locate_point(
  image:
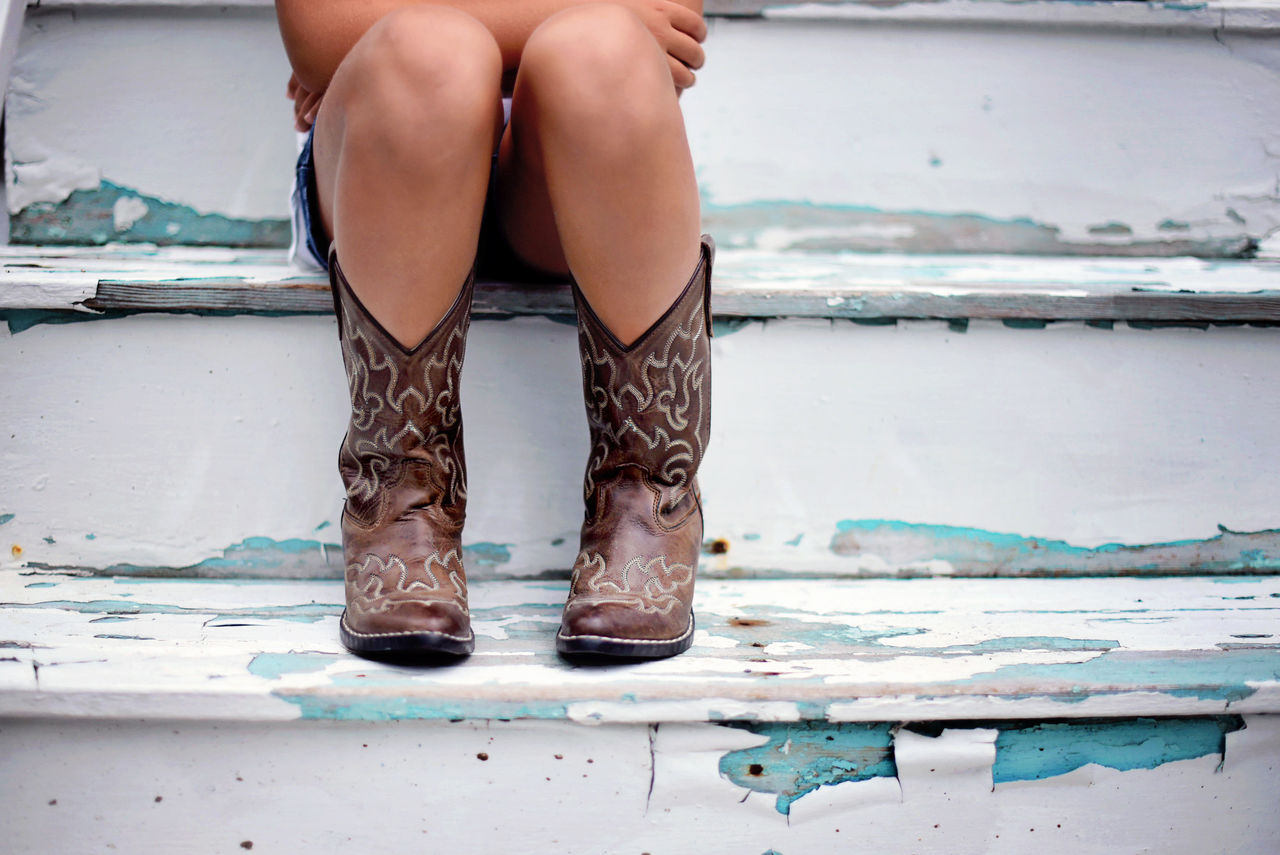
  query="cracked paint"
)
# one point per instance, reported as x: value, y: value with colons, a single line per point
x: 800, y: 757
x: 273, y: 666
x: 112, y: 212
x: 975, y: 552
x: 1044, y: 750
x: 793, y: 226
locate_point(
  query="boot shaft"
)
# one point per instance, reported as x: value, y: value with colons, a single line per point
x: 649, y: 404
x: 404, y: 442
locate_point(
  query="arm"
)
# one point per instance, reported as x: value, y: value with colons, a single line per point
x: 318, y: 33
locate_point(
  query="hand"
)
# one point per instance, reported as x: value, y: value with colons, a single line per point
x: 305, y: 104
x: 680, y: 31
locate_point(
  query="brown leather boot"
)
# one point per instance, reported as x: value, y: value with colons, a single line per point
x: 649, y: 411
x: 406, y: 481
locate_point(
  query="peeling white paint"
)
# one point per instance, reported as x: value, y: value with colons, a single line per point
x: 44, y: 179
x: 145, y: 96
x: 1026, y: 120
x: 127, y: 211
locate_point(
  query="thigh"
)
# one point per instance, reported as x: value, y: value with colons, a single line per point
x: 421, y: 82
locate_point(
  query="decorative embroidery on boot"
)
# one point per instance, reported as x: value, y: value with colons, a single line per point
x: 376, y: 443
x: 377, y: 583
x: 647, y: 417
x: 653, y: 586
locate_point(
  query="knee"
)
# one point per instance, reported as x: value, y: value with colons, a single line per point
x: 421, y: 68
x: 594, y: 61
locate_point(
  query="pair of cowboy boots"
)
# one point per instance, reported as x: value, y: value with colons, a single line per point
x: 648, y: 408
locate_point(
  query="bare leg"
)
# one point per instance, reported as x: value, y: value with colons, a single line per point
x: 403, y: 143
x: 595, y: 170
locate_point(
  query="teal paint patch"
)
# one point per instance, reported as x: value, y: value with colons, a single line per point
x: 1024, y: 323
x: 305, y: 612
x: 124, y: 637
x: 90, y: 536
x: 486, y: 554
x: 322, y: 526
x: 751, y: 536
x: 41, y: 585
x: 1111, y: 229
x: 1221, y: 675
x: 4, y: 518
x: 800, y: 757
x: 863, y: 228
x: 264, y: 553
x: 728, y: 326
x: 112, y: 619
x: 273, y: 666
x: 1037, y: 751
x: 250, y: 559
x: 1034, y: 642
x: 87, y: 218
x: 399, y: 708
x: 824, y: 636
x: 49, y: 540
x: 795, y: 541
x: 979, y: 552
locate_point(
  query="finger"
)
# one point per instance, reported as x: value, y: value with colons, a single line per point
x: 293, y: 85
x: 312, y: 108
x: 680, y: 73
x: 300, y: 109
x: 687, y: 21
x: 686, y: 50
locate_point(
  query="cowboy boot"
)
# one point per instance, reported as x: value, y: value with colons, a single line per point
x: 649, y: 412
x: 406, y: 481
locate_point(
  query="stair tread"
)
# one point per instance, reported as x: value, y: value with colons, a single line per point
x: 883, y: 650
x: 748, y: 283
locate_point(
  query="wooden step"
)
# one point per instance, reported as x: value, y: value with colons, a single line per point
x: 979, y: 715
x: 789, y: 650
x: 928, y: 416
x: 749, y: 283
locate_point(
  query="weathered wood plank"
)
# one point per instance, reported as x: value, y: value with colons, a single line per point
x: 764, y: 651
x: 749, y: 283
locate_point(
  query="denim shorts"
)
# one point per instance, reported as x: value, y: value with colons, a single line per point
x: 309, y: 247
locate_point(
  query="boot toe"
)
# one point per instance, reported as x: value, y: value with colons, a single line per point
x: 429, y: 626
x: 618, y: 629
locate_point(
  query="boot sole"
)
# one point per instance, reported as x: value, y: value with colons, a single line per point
x: 404, y: 645
x: 624, y: 648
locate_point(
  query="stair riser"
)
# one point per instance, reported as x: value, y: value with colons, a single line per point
x: 203, y: 445
x: 330, y: 786
x: 807, y: 134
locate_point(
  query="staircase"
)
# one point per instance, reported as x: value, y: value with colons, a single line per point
x: 995, y: 568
